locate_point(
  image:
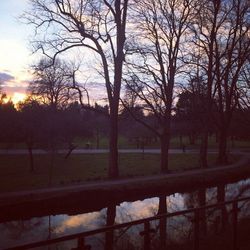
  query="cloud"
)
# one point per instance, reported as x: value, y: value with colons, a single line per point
x: 12, y: 89
x: 11, y: 84
x: 4, y: 77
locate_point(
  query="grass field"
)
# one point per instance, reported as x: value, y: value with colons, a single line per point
x: 124, y: 143
x: 15, y: 174
x: 175, y: 143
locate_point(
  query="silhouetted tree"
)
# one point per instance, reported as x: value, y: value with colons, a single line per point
x: 205, y: 29
x: 98, y: 26
x: 231, y: 53
x: 156, y: 60
x: 31, y: 115
x: 10, y: 124
x: 52, y: 84
x: 189, y: 109
x: 221, y: 37
x: 133, y: 130
x: 73, y: 123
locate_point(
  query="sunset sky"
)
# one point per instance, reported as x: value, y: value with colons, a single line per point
x: 15, y: 55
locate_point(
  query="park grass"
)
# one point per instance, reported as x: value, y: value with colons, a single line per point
x: 15, y: 174
x: 175, y: 143
x: 124, y: 143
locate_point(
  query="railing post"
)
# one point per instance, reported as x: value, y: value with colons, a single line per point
x: 81, y: 244
x: 235, y: 223
x: 196, y: 229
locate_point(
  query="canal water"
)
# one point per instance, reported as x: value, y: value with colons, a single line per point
x: 179, y: 229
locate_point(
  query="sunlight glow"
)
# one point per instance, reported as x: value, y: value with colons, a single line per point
x: 18, y: 97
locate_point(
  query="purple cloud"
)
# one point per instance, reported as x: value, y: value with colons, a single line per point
x: 4, y: 77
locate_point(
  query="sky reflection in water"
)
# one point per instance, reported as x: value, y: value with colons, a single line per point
x: 35, y: 229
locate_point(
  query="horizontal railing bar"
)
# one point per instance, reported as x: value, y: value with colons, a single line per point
x: 118, y: 226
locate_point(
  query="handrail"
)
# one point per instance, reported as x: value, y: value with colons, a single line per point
x: 127, y: 224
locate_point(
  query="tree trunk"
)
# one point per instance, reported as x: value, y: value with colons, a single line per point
x: 114, y: 95
x: 30, y: 149
x: 232, y: 141
x: 181, y: 141
x: 203, y: 150
x: 113, y: 145
x: 216, y: 137
x: 222, y: 157
x: 52, y: 161
x: 164, y: 153
x: 192, y: 138
x: 97, y: 138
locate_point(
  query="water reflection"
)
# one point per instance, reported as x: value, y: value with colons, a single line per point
x: 223, y: 219
x: 163, y: 209
x: 170, y: 231
x: 109, y: 236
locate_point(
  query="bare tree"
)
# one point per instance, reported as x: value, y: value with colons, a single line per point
x: 53, y: 83
x: 244, y: 90
x: 205, y: 29
x: 98, y: 26
x: 222, y: 37
x: 232, y: 51
x: 156, y: 60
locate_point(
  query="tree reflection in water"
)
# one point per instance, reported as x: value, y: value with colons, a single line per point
x: 109, y: 236
x: 174, y: 233
x: 163, y: 221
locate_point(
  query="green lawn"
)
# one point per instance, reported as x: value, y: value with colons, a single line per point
x: 124, y: 143
x: 175, y: 143
x: 15, y: 173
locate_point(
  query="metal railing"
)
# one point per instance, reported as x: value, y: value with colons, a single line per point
x: 80, y: 237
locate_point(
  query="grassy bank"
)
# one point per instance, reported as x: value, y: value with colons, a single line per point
x: 15, y: 174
